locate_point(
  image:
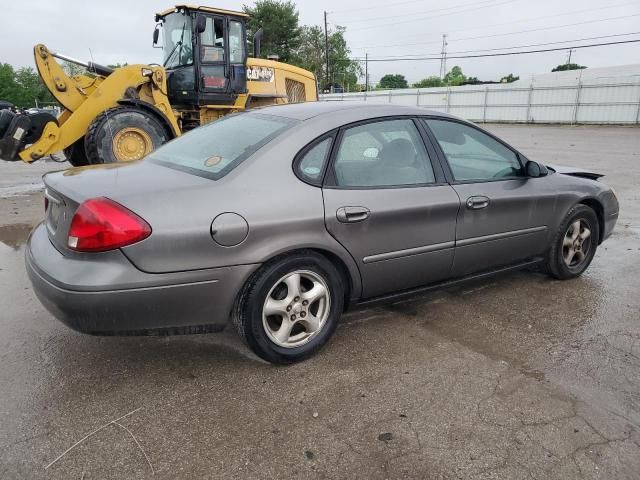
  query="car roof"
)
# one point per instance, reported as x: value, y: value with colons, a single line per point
x: 308, y: 110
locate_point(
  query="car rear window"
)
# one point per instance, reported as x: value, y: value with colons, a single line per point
x: 215, y: 149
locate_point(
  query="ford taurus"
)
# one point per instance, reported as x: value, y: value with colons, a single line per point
x: 280, y: 218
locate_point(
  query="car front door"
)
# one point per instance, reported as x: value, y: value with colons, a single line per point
x: 503, y: 217
x: 389, y: 205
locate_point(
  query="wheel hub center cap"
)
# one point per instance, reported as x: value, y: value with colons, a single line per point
x: 297, y: 308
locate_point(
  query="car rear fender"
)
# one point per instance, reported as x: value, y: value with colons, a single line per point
x: 340, y: 258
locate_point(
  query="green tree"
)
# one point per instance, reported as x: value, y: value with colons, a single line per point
x: 310, y: 55
x: 393, y: 80
x: 431, y: 81
x: 567, y: 66
x: 454, y: 76
x: 9, y: 89
x: 72, y: 69
x: 509, y: 78
x: 22, y: 87
x: 279, y: 19
x: 32, y: 88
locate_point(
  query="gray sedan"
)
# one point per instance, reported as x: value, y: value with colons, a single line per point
x: 280, y: 218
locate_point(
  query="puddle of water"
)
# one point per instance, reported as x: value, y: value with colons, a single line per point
x: 15, y: 235
x: 532, y: 373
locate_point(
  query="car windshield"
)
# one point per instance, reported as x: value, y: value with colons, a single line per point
x: 215, y: 149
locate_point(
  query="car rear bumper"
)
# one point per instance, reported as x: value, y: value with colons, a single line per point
x: 104, y: 294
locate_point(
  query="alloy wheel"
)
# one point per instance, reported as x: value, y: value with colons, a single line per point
x: 576, y: 243
x: 296, y: 308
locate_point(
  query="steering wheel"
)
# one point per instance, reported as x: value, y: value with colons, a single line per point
x: 505, y: 172
x: 186, y: 54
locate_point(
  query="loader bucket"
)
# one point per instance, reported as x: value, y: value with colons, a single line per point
x: 19, y: 130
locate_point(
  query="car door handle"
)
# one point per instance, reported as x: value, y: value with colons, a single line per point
x: 352, y: 214
x: 477, y: 202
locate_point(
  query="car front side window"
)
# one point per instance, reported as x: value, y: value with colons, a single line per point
x: 472, y: 154
x: 381, y: 154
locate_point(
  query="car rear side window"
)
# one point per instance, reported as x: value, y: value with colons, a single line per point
x: 311, y: 162
x: 215, y: 149
x: 382, y: 153
x: 472, y: 154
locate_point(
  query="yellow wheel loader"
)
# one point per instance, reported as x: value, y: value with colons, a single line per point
x: 122, y: 114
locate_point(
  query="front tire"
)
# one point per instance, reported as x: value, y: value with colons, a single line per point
x: 291, y: 307
x: 575, y: 243
x: 123, y: 134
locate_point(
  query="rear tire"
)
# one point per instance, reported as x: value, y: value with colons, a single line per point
x: 575, y: 243
x: 290, y: 308
x: 76, y: 154
x: 123, y: 134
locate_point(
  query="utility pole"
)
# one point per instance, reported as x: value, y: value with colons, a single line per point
x: 326, y: 44
x: 366, y: 72
x: 443, y: 57
x: 569, y: 59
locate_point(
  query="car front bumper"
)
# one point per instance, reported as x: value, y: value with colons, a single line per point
x: 611, y: 212
x: 104, y: 294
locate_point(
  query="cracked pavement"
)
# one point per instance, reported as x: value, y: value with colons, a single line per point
x: 516, y: 377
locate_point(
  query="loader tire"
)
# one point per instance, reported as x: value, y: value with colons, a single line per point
x: 76, y: 154
x: 123, y: 134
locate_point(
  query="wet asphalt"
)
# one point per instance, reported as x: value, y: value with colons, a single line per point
x: 515, y: 377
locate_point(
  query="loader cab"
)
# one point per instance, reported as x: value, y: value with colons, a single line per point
x: 205, y: 55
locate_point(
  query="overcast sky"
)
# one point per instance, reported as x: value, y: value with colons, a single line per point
x: 118, y: 31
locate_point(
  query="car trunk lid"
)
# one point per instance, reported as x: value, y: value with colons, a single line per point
x: 131, y: 185
x: 58, y: 215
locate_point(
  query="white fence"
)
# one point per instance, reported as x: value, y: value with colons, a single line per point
x: 567, y: 97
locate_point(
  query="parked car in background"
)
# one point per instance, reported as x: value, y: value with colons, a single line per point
x: 280, y: 218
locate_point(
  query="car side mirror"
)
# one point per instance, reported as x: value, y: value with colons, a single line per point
x: 535, y: 170
x: 201, y: 23
x: 156, y: 35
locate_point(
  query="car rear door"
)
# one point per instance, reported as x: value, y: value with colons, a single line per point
x: 504, y: 215
x: 389, y: 205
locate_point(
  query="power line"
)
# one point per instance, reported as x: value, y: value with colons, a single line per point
x: 519, y: 46
x: 395, y: 4
x: 550, y: 28
x: 530, y: 19
x: 512, y: 33
x: 381, y: 59
x: 413, y: 14
x: 386, y: 24
x: 549, y: 43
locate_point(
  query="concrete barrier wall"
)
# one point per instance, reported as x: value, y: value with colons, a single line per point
x: 566, y: 97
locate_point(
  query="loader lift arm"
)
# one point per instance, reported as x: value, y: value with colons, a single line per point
x: 84, y: 98
x: 123, y: 114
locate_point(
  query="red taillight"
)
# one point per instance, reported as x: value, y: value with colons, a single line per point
x: 101, y: 224
x: 46, y: 204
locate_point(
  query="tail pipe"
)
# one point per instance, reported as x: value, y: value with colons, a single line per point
x: 257, y: 40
